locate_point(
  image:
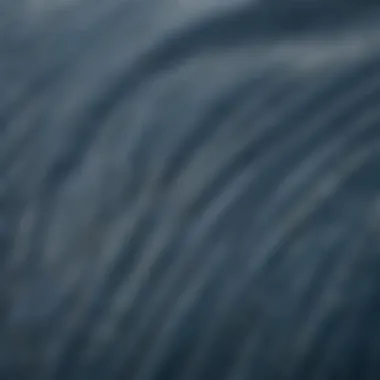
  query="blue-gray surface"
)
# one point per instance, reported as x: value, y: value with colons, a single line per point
x: 189, y: 190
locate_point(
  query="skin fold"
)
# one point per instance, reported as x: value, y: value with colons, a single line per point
x: 189, y: 190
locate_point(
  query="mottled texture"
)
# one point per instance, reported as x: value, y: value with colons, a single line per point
x: 189, y: 190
